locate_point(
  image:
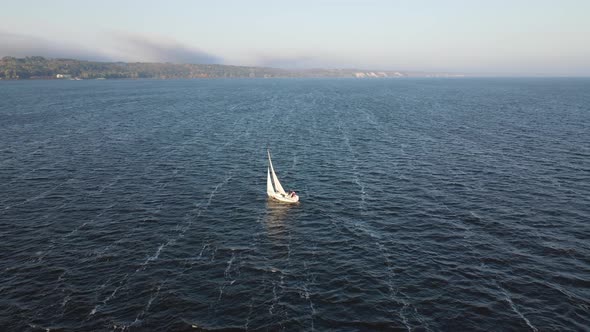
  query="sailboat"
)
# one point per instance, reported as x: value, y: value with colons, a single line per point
x: 276, y: 191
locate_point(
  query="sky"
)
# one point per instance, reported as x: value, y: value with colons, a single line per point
x: 485, y: 37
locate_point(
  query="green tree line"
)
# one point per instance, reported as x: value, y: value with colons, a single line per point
x: 37, y: 67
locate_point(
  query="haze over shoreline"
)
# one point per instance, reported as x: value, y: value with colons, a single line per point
x: 501, y: 38
x: 37, y: 67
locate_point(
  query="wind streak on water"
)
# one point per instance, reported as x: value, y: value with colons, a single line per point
x: 356, y: 174
x: 425, y: 205
x: 189, y: 218
x: 515, y: 309
x: 161, y: 247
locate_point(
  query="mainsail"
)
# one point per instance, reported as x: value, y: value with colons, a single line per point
x: 275, y: 190
x: 277, y: 186
x: 269, y: 189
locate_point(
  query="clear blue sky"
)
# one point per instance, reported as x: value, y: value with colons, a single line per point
x: 519, y: 37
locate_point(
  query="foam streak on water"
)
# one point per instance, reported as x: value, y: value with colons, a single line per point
x: 426, y: 205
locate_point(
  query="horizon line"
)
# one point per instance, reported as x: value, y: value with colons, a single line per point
x: 449, y: 74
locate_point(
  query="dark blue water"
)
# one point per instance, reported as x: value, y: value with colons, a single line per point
x: 426, y: 205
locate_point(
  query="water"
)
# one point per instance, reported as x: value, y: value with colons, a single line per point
x: 427, y: 205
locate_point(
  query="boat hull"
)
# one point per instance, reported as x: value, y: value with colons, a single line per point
x: 283, y: 199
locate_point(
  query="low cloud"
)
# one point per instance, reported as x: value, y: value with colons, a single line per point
x: 118, y: 47
x: 305, y: 61
x: 141, y: 48
x: 288, y: 62
x: 19, y: 45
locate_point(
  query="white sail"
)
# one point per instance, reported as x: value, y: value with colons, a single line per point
x: 278, y: 186
x: 269, y: 189
x: 276, y: 191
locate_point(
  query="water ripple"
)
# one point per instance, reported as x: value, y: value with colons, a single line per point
x: 426, y: 205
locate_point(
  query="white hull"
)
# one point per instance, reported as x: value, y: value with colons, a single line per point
x: 283, y: 199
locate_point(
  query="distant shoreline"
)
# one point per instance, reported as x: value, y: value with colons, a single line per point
x: 40, y: 68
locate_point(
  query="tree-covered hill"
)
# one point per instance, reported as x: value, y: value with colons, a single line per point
x: 40, y: 67
x: 37, y: 67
